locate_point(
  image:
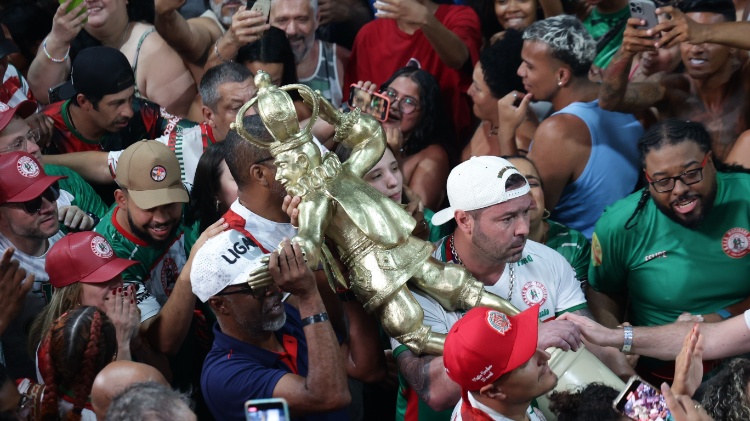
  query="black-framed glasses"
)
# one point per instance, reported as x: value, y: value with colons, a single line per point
x: 257, y: 292
x: 19, y: 143
x: 406, y: 105
x: 35, y: 205
x: 665, y: 185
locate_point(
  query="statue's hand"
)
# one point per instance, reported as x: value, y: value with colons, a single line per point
x: 260, y: 277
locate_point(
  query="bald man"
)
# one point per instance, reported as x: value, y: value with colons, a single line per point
x: 115, y: 378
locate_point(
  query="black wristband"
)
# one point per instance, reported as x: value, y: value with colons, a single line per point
x: 315, y: 318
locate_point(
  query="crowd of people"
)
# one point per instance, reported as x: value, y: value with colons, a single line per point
x: 587, y: 168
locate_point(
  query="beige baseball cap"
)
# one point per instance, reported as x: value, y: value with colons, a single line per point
x: 151, y: 174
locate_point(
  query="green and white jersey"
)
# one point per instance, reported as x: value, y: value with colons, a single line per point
x: 572, y: 245
x: 159, y: 267
x: 81, y: 192
x: 665, y: 268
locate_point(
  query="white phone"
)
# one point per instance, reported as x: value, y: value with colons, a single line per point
x: 263, y: 6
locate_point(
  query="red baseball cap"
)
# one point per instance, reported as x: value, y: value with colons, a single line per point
x: 486, y: 343
x: 23, y: 109
x: 83, y: 257
x: 22, y: 178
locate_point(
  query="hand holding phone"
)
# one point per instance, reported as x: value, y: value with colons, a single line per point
x: 375, y: 104
x: 263, y: 6
x: 640, y: 400
x: 645, y: 10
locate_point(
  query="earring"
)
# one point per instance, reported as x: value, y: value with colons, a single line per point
x: 217, y: 205
x: 559, y: 83
x: 546, y: 214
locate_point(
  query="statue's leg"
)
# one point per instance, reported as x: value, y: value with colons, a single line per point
x: 402, y: 318
x: 454, y: 288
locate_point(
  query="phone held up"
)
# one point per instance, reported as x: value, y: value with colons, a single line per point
x: 645, y: 10
x: 263, y: 6
x: 375, y: 104
x: 275, y: 409
x: 640, y: 400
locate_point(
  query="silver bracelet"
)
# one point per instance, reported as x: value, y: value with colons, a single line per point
x: 627, y: 343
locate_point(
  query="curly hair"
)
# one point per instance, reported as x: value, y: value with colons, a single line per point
x: 432, y: 125
x: 567, y: 39
x: 500, y: 62
x: 725, y: 397
x: 78, y: 346
x: 590, y: 403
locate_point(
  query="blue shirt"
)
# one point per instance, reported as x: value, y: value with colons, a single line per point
x: 235, y: 371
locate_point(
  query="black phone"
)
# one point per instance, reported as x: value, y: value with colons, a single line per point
x: 640, y: 400
x: 274, y: 409
x: 54, y: 93
x: 646, y: 10
x: 375, y: 104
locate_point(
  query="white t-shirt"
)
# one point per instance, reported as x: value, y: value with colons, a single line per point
x: 533, y: 413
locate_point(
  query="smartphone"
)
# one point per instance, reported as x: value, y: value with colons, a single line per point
x: 375, y: 104
x: 640, y: 400
x: 263, y: 6
x: 275, y: 409
x: 646, y: 10
x: 54, y: 93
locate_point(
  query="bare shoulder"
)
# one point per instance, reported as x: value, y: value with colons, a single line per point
x: 560, y: 130
x: 434, y: 153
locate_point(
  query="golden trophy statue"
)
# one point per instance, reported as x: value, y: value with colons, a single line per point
x: 372, y: 233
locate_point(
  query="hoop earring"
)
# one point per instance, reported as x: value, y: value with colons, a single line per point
x: 546, y: 214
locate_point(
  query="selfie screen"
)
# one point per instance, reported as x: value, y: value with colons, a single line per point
x: 646, y: 403
x: 255, y: 413
x: 370, y: 104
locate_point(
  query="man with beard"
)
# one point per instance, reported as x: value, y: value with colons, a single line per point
x: 680, y: 245
x: 266, y: 347
x: 490, y: 241
x: 320, y: 65
x: 146, y: 225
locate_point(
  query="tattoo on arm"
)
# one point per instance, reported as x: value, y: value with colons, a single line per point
x: 416, y: 371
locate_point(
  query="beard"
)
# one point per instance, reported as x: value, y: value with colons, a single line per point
x: 301, y: 54
x: 706, y: 203
x: 143, y: 234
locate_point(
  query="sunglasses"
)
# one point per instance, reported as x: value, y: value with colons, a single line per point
x: 258, y: 293
x: 33, y: 206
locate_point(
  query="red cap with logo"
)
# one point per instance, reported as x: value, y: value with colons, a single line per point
x: 83, y: 257
x: 23, y: 109
x: 486, y: 343
x: 22, y: 178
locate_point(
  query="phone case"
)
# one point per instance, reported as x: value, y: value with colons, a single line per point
x: 264, y: 6
x: 382, y: 116
x: 646, y: 10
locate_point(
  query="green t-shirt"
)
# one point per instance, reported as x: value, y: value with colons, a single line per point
x: 159, y: 267
x: 665, y: 268
x: 84, y: 195
x: 598, y: 24
x: 573, y: 246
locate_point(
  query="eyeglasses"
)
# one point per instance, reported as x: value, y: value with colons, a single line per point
x: 35, y: 205
x: 258, y: 293
x: 406, y: 105
x: 665, y: 185
x: 20, y: 142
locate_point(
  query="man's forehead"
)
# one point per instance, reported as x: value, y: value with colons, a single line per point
x: 291, y: 7
x: 233, y: 90
x: 514, y: 205
x: 15, y: 128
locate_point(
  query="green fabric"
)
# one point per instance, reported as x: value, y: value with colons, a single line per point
x: 597, y: 24
x: 665, y: 268
x: 573, y: 246
x: 436, y: 231
x: 84, y: 195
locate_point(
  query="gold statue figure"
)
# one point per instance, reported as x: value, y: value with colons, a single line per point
x: 371, y: 232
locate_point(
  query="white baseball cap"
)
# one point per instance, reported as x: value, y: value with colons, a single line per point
x: 478, y: 183
x: 225, y: 259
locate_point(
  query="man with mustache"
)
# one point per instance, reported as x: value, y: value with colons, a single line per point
x: 320, y: 65
x: 99, y: 110
x: 678, y: 246
x: 491, y: 242
x: 146, y: 225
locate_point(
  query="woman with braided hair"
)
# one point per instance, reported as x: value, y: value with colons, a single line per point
x: 79, y: 345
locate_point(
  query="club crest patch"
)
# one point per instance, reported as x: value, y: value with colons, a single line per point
x: 158, y: 173
x: 169, y: 274
x: 27, y: 167
x: 534, y: 293
x: 101, y: 248
x: 736, y: 243
x: 499, y: 321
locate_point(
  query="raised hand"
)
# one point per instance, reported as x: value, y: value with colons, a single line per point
x: 688, y: 371
x: 14, y: 285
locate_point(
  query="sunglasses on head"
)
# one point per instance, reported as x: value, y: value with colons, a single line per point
x: 35, y: 205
